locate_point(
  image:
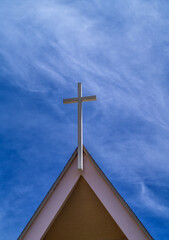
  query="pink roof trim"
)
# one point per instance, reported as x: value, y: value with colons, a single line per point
x: 105, y: 191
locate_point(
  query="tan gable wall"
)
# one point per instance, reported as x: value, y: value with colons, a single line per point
x: 83, y: 218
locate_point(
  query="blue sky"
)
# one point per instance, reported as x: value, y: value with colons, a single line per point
x: 119, y: 50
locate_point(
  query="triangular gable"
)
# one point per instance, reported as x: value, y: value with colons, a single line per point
x: 84, y: 217
x: 61, y: 191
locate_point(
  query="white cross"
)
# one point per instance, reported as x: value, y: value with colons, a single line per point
x: 79, y: 100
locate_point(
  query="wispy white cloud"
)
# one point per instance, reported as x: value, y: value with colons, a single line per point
x: 151, y: 202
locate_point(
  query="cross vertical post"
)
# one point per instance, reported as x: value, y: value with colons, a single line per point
x: 80, y: 128
x: 79, y: 100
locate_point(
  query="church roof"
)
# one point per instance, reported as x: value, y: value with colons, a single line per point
x: 101, y: 193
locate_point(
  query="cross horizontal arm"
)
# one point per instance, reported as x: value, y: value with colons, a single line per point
x: 70, y: 100
x: 89, y: 98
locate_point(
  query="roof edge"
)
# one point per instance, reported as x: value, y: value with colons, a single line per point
x: 47, y: 196
x: 118, y: 195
